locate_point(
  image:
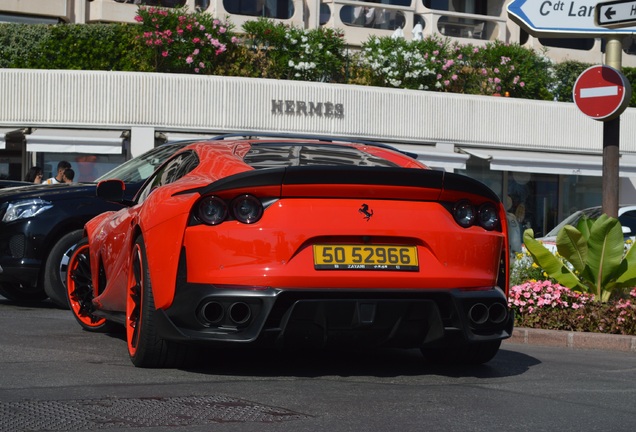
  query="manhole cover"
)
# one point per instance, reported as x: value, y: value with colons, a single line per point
x: 93, y: 414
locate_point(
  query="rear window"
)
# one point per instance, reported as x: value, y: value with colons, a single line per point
x: 272, y: 155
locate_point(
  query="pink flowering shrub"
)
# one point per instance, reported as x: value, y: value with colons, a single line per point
x: 438, y: 64
x: 550, y: 306
x: 178, y: 41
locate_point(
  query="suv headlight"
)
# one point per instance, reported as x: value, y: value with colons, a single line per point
x: 26, y: 209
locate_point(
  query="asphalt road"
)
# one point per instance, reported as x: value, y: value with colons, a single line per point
x: 56, y: 377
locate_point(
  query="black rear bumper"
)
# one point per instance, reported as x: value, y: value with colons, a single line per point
x: 335, y: 317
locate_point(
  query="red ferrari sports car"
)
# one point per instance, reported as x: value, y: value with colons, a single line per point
x: 296, y: 243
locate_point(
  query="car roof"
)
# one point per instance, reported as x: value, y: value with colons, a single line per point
x: 590, y: 212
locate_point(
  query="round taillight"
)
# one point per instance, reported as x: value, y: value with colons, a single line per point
x: 212, y: 210
x: 488, y: 216
x: 464, y: 214
x: 247, y: 209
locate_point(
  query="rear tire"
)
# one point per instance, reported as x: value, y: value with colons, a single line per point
x: 80, y: 291
x: 145, y: 348
x: 56, y: 268
x: 463, y: 353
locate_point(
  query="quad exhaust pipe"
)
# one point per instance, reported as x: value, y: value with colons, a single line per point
x: 480, y: 314
x: 215, y: 313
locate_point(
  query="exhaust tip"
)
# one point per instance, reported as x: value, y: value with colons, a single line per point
x: 212, y: 312
x: 498, y: 313
x: 478, y: 313
x: 239, y: 313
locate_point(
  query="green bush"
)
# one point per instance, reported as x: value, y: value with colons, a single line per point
x: 282, y: 52
x: 70, y: 46
x: 565, y: 75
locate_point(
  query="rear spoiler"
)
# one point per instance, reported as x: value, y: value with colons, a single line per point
x: 445, y: 184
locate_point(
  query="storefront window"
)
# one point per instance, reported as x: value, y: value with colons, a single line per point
x: 87, y: 167
x: 580, y: 192
x: 533, y: 199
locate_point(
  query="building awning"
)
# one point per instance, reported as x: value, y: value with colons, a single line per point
x: 75, y: 141
x: 179, y: 136
x: 440, y: 156
x: 548, y: 162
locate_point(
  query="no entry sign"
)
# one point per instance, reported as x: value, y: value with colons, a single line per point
x: 602, y: 93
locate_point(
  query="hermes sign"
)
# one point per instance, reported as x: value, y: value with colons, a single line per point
x: 308, y: 109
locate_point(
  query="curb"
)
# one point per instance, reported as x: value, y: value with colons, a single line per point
x: 575, y: 340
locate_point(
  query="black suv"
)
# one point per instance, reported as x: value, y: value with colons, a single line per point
x: 40, y: 225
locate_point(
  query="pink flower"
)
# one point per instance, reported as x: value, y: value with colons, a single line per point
x: 454, y: 77
x: 138, y: 18
x: 189, y: 60
x: 164, y: 53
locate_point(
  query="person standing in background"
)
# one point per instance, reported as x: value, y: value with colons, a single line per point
x: 34, y: 175
x: 59, y: 178
x: 68, y: 175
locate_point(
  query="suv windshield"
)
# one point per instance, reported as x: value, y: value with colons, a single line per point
x: 141, y: 167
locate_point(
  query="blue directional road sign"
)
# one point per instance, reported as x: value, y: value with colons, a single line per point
x: 560, y: 18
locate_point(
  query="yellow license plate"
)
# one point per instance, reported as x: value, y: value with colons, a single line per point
x: 365, y: 257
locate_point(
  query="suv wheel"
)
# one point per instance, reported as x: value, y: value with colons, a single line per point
x: 56, y: 268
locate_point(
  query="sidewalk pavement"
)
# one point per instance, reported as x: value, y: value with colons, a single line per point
x: 575, y: 340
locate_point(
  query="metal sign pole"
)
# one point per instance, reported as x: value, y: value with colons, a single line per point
x: 611, y: 137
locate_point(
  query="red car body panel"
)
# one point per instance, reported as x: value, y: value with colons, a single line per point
x: 398, y: 207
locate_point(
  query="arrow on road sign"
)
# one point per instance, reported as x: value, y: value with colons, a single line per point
x: 559, y: 18
x: 616, y: 14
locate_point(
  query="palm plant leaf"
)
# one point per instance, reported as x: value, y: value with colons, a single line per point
x: 605, y: 250
x: 553, y: 266
x: 572, y: 245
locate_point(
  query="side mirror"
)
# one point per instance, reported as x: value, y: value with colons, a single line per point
x: 111, y: 190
